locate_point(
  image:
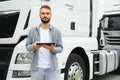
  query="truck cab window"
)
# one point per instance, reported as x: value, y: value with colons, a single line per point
x: 104, y: 23
x: 111, y: 22
x: 114, y: 23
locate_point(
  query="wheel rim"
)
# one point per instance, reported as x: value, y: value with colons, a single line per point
x: 75, y: 72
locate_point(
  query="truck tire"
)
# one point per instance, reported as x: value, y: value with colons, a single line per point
x: 75, y: 68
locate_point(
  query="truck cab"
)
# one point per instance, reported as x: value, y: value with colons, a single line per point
x: 110, y: 27
x: 109, y: 31
x: 14, y: 20
x: 76, y: 20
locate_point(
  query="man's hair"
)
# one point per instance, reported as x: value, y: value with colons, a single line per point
x: 45, y: 6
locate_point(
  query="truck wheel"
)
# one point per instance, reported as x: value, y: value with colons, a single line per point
x: 75, y: 68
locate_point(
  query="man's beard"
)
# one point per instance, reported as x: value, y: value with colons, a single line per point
x: 45, y: 21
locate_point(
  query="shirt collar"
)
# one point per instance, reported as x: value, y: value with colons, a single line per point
x: 50, y: 28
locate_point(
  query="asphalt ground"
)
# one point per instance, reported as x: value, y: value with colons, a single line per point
x: 109, y: 76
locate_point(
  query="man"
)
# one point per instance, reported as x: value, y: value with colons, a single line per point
x: 44, y: 62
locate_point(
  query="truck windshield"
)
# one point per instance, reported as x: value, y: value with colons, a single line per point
x: 113, y: 23
x: 8, y: 22
x: 4, y: 0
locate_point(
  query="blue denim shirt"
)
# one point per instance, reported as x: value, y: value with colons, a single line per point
x: 34, y: 35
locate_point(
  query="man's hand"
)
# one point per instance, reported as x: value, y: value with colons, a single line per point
x: 36, y: 46
x: 51, y: 48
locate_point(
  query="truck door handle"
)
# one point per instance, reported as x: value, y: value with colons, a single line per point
x: 72, y: 25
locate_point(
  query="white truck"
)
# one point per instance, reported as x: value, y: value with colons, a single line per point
x: 81, y: 58
x: 110, y: 26
x: 109, y: 30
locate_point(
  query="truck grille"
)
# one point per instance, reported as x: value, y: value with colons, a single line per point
x: 112, y: 40
x: 5, y: 57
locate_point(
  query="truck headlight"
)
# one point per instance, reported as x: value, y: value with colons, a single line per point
x: 21, y: 74
x: 23, y: 58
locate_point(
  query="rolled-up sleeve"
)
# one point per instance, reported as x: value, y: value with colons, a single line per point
x: 58, y: 44
x: 29, y: 42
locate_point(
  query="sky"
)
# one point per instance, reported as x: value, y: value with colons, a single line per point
x: 104, y: 4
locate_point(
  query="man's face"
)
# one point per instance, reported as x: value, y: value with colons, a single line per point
x: 45, y: 15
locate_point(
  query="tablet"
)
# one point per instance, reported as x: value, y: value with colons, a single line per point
x: 46, y: 44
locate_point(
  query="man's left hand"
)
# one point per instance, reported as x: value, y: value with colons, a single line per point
x: 51, y: 48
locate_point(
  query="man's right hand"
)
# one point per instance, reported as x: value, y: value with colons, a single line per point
x: 36, y: 46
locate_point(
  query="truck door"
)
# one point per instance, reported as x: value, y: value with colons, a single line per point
x: 82, y: 17
x: 70, y: 5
